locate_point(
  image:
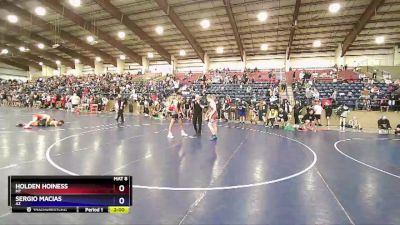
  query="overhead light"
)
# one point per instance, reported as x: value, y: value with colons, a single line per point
x: 159, y: 30
x: 262, y: 16
x: 205, y: 24
x: 121, y: 35
x: 77, y: 61
x: 98, y: 59
x: 40, y: 46
x: 220, y: 50
x: 334, y: 7
x: 90, y: 38
x: 4, y: 51
x: 264, y: 47
x: 122, y: 57
x: 182, y: 52
x: 75, y: 3
x: 150, y: 55
x: 12, y: 18
x: 40, y: 63
x: 22, y: 49
x: 58, y: 62
x: 380, y: 39
x: 40, y: 11
x: 317, y: 44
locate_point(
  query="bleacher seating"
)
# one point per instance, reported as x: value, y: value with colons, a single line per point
x: 258, y: 90
x: 323, y: 75
x: 348, y: 75
x: 326, y: 89
x: 185, y: 78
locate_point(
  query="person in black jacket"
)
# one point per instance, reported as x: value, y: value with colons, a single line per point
x: 384, y: 125
x: 120, y: 108
x: 282, y: 118
x: 309, y: 121
x: 197, y: 114
x: 296, y: 111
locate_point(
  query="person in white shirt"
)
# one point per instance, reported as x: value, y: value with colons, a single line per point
x: 176, y: 85
x: 317, y: 112
x: 301, y: 75
x: 75, y: 100
x: 315, y: 93
x: 343, y: 111
x: 212, y: 117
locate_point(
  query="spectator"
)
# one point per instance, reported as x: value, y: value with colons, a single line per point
x: 242, y: 111
x: 342, y: 112
x: 297, y: 111
x: 317, y: 112
x: 75, y: 101
x: 262, y: 111
x: 282, y: 118
x: 271, y: 117
x: 384, y: 103
x: 354, y: 124
x: 383, y: 125
x: 397, y: 130
x: 309, y: 121
x: 374, y: 75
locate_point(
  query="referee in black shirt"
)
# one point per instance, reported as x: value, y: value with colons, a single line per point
x: 197, y: 114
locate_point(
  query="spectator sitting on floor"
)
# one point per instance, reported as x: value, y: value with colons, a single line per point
x: 309, y: 121
x: 384, y: 125
x: 282, y: 118
x: 271, y: 117
x: 353, y: 123
x: 397, y: 130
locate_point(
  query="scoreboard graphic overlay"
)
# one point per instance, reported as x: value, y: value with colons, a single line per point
x: 70, y: 194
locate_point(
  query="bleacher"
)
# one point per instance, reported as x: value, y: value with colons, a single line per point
x: 323, y: 75
x: 258, y: 90
x: 326, y: 89
x: 258, y: 76
x: 348, y: 75
x: 185, y: 78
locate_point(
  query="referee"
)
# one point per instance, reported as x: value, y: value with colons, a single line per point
x: 197, y: 114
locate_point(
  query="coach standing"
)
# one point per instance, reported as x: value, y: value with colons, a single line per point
x: 197, y: 114
x: 120, y: 106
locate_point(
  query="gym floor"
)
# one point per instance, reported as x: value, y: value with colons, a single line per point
x: 250, y: 175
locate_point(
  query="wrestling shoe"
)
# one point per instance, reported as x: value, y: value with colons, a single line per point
x: 183, y: 134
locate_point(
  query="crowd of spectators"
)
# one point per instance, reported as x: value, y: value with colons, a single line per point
x: 383, y: 95
x: 67, y: 92
x: 149, y: 96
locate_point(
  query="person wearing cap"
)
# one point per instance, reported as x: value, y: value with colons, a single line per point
x: 197, y: 114
x: 384, y: 125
